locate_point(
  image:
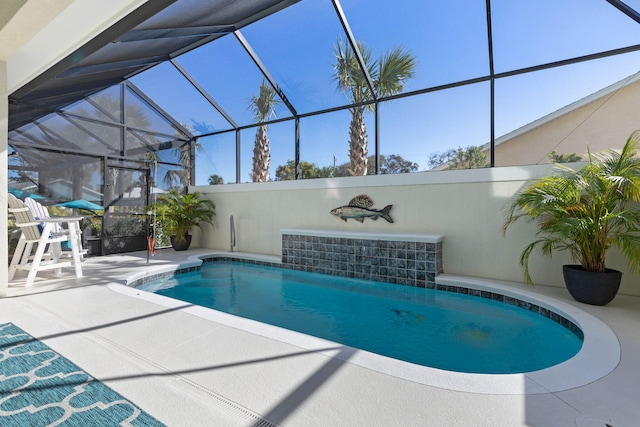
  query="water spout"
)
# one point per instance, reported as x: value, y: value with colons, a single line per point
x: 233, y: 234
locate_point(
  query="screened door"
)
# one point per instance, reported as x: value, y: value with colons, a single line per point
x: 126, y: 199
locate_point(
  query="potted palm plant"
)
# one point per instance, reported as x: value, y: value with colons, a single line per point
x: 586, y: 212
x: 178, y: 213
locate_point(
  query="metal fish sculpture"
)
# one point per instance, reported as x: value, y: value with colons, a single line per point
x: 359, y: 208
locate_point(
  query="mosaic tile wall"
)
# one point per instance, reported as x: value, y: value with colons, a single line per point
x: 394, y: 261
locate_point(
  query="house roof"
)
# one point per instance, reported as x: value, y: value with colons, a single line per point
x: 602, y: 93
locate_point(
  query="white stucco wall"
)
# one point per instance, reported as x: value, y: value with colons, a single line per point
x: 4, y: 273
x: 466, y: 206
x: 37, y: 36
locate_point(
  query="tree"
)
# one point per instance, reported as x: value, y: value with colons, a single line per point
x: 175, y: 178
x: 263, y: 107
x: 389, y: 74
x: 181, y: 178
x: 325, y: 172
x: 563, y: 158
x: 215, y: 180
x: 20, y: 176
x: 287, y: 171
x: 343, y: 169
x: 394, y: 163
x: 471, y: 157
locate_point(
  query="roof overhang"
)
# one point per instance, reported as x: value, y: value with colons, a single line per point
x: 156, y: 31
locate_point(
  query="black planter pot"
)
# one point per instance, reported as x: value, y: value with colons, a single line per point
x: 181, y: 246
x: 589, y: 287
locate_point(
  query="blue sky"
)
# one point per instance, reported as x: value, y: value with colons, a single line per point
x: 448, y: 40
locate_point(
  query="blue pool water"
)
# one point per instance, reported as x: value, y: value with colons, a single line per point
x: 433, y: 328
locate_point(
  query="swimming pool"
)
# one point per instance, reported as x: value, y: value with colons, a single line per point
x: 444, y: 330
x: 599, y: 355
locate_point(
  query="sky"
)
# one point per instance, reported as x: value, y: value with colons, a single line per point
x: 448, y: 40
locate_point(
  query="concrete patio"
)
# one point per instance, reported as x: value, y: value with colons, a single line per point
x: 187, y: 370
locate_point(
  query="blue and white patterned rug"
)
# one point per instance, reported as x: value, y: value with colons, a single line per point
x: 39, y: 387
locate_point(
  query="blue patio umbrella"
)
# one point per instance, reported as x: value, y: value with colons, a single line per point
x: 81, y: 204
x: 21, y: 194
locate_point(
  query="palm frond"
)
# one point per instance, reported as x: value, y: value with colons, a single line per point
x: 585, y: 211
x: 180, y: 212
x: 349, y: 74
x: 394, y: 69
x: 264, y: 105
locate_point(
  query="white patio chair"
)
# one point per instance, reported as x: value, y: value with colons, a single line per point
x: 40, y: 211
x: 37, y: 209
x: 44, y: 237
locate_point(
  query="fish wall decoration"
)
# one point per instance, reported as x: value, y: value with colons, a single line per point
x: 359, y: 208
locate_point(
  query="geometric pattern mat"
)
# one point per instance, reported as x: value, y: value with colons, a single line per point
x: 39, y: 387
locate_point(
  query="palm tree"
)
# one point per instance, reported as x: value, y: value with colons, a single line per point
x: 175, y: 178
x: 389, y: 74
x: 263, y: 107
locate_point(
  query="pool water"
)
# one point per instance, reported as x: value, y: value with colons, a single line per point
x: 433, y: 328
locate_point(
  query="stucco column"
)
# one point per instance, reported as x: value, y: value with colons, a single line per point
x: 4, y: 123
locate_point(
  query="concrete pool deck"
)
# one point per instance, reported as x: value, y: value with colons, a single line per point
x: 186, y: 370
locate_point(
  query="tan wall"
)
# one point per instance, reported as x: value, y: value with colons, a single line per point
x: 603, y: 123
x: 465, y: 206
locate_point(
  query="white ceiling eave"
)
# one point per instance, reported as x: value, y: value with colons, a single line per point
x: 42, y: 32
